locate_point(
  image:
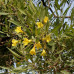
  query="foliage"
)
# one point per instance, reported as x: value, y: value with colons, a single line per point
x: 38, y: 40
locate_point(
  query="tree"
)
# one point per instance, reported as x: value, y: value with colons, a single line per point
x: 37, y: 36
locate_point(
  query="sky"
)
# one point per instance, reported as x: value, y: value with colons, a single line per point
x: 66, y: 6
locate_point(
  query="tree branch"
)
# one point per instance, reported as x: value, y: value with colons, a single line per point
x: 62, y: 16
x: 53, y: 12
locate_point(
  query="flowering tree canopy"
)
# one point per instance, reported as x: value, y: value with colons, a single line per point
x: 39, y: 39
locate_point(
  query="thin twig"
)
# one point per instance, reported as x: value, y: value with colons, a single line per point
x: 58, y: 16
x: 62, y: 16
x: 53, y: 12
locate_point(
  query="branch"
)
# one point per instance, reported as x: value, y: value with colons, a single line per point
x: 44, y: 3
x: 53, y: 12
x: 58, y: 16
x: 62, y: 16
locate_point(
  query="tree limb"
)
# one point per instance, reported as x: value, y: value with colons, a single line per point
x: 52, y: 10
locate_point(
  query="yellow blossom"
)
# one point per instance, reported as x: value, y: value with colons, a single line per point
x: 38, y: 45
x: 19, y: 40
x: 18, y: 30
x: 26, y: 41
x: 43, y: 39
x: 14, y: 42
x: 18, y: 62
x: 45, y: 19
x: 32, y: 51
x: 48, y: 38
x: 39, y: 24
x: 43, y: 53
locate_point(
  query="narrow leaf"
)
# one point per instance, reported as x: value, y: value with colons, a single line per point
x: 15, y: 22
x: 22, y: 11
x: 32, y: 5
x: 3, y: 13
x: 14, y: 53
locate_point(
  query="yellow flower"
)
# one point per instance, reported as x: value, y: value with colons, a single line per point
x: 18, y: 30
x: 38, y: 45
x: 45, y: 19
x: 32, y: 51
x: 26, y: 41
x: 43, y: 39
x: 43, y: 53
x: 18, y: 62
x: 48, y: 38
x: 39, y: 24
x: 14, y: 42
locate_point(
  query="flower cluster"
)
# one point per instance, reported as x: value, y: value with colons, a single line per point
x: 33, y: 52
x: 25, y: 41
x: 40, y: 25
x: 47, y: 38
x: 38, y: 45
x: 14, y: 42
x: 45, y: 19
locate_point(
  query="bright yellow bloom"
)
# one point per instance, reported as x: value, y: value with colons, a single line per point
x: 38, y: 45
x: 45, y: 19
x: 43, y: 39
x: 14, y: 42
x: 26, y: 41
x: 48, y: 38
x: 43, y: 53
x: 32, y: 51
x: 18, y: 30
x: 39, y: 24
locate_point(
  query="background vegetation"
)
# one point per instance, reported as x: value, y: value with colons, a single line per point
x: 59, y: 57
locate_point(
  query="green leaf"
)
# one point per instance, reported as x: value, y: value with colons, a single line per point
x: 33, y: 29
x: 5, y: 1
x: 22, y: 11
x: 57, y: 5
x: 65, y: 12
x: 14, y: 53
x: 72, y: 15
x: 17, y: 68
x: 65, y: 72
x: 2, y: 32
x: 28, y: 32
x: 53, y: 47
x: 63, y: 1
x: 58, y: 52
x: 32, y: 5
x: 5, y: 67
x: 5, y: 33
x: 56, y: 28
x: 28, y: 14
x: 15, y: 22
x: 3, y: 13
